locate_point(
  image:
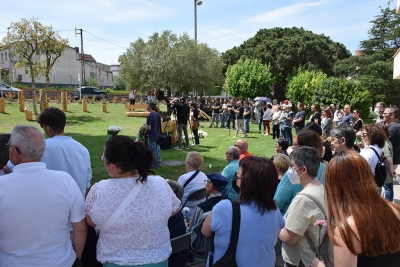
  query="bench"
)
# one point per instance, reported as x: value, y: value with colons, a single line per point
x: 136, y: 113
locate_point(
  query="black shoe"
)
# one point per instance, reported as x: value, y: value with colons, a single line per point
x: 210, y: 126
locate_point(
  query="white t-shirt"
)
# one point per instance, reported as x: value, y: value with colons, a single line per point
x: 140, y: 235
x: 267, y: 114
x: 370, y: 156
x: 300, y: 217
x: 35, y: 205
x: 196, y: 183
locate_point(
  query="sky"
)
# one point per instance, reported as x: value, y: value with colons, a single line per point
x: 110, y: 26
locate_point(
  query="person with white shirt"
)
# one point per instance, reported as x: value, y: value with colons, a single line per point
x: 37, y: 204
x: 373, y: 139
x: 192, y: 180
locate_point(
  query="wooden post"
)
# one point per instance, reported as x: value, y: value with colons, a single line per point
x: 2, y: 105
x: 84, y: 105
x: 45, y: 104
x: 21, y: 103
x: 104, y: 107
x: 28, y: 114
x: 64, y: 101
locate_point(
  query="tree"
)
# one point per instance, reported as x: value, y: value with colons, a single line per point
x: 119, y: 83
x: 374, y: 69
x: 172, y: 62
x: 29, y: 39
x: 25, y: 44
x: 248, y: 78
x: 302, y: 86
x: 285, y: 49
x: 342, y: 91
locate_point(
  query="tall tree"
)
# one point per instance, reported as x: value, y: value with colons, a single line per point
x: 24, y: 40
x: 248, y: 78
x: 29, y: 40
x: 301, y: 87
x: 285, y: 49
x: 374, y: 68
x: 171, y: 62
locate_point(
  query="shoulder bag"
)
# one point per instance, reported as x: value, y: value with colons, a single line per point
x: 191, y: 178
x: 229, y: 258
x: 326, y: 245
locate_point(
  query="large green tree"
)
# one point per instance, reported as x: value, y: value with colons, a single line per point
x: 36, y: 48
x: 285, y: 49
x: 342, y: 91
x: 374, y: 68
x: 172, y: 62
x: 248, y: 78
x: 301, y: 87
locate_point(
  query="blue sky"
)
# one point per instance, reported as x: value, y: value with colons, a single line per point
x: 222, y: 24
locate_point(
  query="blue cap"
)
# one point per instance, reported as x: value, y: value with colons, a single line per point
x: 219, y: 181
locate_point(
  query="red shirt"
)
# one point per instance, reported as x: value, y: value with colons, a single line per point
x: 244, y: 154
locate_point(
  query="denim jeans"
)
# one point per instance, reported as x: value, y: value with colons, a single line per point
x: 288, y: 135
x: 224, y: 120
x: 247, y: 125
x: 155, y: 149
x: 183, y: 127
x: 196, y: 137
x: 232, y: 119
x: 388, y: 193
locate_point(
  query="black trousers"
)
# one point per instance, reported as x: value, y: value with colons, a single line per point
x: 275, y: 131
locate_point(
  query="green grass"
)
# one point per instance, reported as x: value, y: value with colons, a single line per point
x: 89, y: 128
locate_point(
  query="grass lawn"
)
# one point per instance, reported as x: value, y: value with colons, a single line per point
x: 89, y: 128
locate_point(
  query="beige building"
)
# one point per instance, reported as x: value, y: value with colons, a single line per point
x: 65, y: 70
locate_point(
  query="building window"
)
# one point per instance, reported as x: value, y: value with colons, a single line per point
x: 5, y: 57
x: 93, y: 74
x: 2, y: 58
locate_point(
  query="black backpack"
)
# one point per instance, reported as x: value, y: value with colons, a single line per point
x: 381, y: 169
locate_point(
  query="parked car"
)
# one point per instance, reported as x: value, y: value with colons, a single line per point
x: 8, y: 89
x: 90, y: 92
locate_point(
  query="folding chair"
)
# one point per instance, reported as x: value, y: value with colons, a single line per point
x: 181, y: 242
x: 198, y: 194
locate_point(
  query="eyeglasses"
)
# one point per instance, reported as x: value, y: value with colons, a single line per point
x: 207, y: 182
x: 291, y: 167
x: 364, y: 134
x: 295, y: 144
x: 8, y: 145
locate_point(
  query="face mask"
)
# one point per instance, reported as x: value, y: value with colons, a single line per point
x: 293, y: 176
x: 376, y: 110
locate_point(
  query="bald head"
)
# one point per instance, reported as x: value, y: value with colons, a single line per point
x: 242, y: 145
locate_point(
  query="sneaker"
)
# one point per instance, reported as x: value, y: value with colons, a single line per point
x: 177, y: 148
x: 235, y: 136
x: 210, y: 126
x: 186, y: 148
x: 245, y: 135
x: 194, y: 144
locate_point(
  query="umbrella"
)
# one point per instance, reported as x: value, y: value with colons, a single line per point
x: 262, y: 98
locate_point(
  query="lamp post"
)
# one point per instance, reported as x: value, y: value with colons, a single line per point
x: 9, y: 57
x: 196, y: 3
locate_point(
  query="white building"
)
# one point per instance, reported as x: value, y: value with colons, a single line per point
x: 115, y: 69
x: 65, y: 70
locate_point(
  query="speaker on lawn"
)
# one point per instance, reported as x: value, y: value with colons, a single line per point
x: 160, y: 95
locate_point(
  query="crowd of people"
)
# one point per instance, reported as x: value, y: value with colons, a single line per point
x: 320, y: 182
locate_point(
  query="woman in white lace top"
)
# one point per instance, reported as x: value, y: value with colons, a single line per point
x: 139, y: 236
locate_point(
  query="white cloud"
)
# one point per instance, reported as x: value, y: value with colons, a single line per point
x: 283, y: 13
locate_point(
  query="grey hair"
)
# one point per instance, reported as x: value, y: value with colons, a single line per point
x: 234, y: 151
x: 29, y: 141
x: 177, y: 188
x: 307, y: 156
x: 345, y: 131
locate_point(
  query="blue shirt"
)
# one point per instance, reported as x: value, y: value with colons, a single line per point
x: 347, y: 118
x: 286, y: 191
x: 154, y: 120
x: 257, y: 235
x: 63, y: 153
x: 228, y: 172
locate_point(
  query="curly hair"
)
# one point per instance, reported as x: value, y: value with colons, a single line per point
x: 375, y: 134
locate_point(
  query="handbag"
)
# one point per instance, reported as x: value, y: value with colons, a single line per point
x: 194, y: 125
x: 164, y: 140
x: 229, y: 258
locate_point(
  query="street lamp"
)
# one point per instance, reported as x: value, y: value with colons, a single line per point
x: 196, y: 3
x: 9, y: 57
